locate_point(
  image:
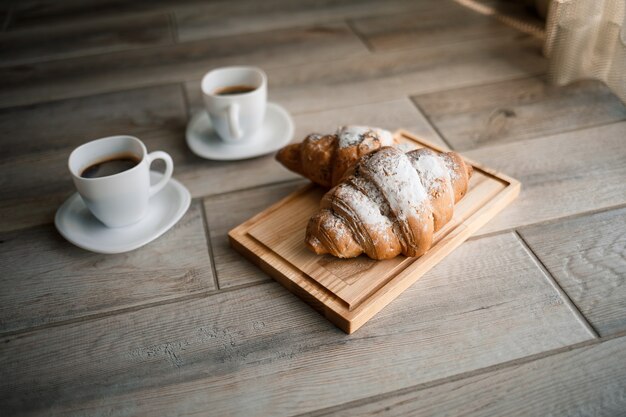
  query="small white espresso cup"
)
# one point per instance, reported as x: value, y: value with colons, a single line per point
x: 119, y: 199
x: 235, y: 115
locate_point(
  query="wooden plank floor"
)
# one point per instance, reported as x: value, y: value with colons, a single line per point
x: 528, y: 317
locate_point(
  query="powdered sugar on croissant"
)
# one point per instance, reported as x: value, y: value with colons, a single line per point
x: 325, y: 158
x: 355, y: 135
x: 390, y: 203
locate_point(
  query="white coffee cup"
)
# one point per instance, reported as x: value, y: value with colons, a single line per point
x: 120, y: 199
x: 235, y: 116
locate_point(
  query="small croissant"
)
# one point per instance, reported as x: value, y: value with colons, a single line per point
x: 325, y: 158
x: 389, y: 203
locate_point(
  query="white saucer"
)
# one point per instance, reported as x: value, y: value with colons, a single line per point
x: 76, y: 223
x: 276, y: 132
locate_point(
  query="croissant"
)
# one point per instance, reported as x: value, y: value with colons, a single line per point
x: 389, y: 203
x: 325, y: 158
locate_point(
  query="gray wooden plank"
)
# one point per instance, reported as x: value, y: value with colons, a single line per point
x: 450, y: 22
x: 587, y: 257
x: 226, y: 211
x: 44, y: 279
x: 219, y: 19
x: 33, y: 13
x: 322, y: 85
x: 388, y: 75
x: 115, y: 71
x: 32, y: 196
x: 200, y: 19
x: 485, y: 304
x: 491, y: 114
x: 23, y: 46
x: 561, y: 175
x: 588, y: 381
x: 46, y: 127
x: 37, y: 140
x: 391, y: 115
x: 32, y: 188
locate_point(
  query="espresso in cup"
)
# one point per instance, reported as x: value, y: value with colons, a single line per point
x: 112, y: 166
x: 112, y: 176
x: 235, y: 99
x: 234, y: 89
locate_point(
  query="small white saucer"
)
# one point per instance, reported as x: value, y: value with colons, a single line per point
x: 76, y: 223
x: 276, y: 132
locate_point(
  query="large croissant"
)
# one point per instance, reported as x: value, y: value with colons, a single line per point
x: 389, y: 203
x: 325, y: 158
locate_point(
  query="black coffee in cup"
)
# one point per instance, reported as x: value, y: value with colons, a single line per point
x: 112, y: 166
x: 234, y: 89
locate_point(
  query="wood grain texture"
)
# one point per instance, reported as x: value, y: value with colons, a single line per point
x: 37, y: 13
x: 23, y: 46
x: 320, y: 85
x: 38, y: 139
x: 31, y: 196
x: 115, y: 71
x: 32, y: 188
x: 486, y: 303
x: 198, y: 19
x: 561, y: 175
x: 113, y: 340
x: 58, y: 125
x: 389, y: 75
x: 45, y: 279
x: 588, y: 381
x: 498, y: 113
x: 349, y: 292
x: 220, y: 19
x: 391, y: 115
x: 587, y: 257
x: 447, y: 22
x: 226, y: 211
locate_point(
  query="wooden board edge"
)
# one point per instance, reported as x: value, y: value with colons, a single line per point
x: 351, y: 320
x: 499, y: 175
x: 243, y: 227
x: 406, y: 278
x: 310, y: 299
x: 424, y: 142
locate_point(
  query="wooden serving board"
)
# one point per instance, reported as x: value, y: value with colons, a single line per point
x: 348, y: 292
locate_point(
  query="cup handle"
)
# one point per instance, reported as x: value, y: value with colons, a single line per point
x: 233, y: 121
x: 169, y: 169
